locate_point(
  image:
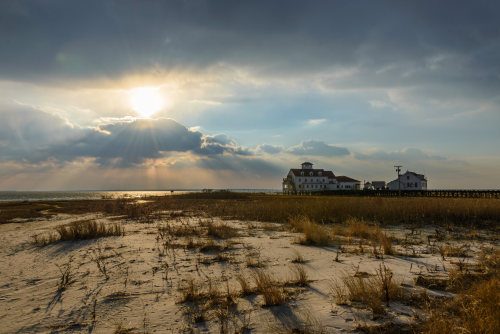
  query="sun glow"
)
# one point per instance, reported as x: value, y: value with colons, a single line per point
x: 146, y: 101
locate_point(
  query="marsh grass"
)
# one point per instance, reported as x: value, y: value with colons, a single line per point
x: 273, y: 208
x: 338, y: 209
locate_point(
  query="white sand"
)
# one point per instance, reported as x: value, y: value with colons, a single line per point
x: 138, y: 296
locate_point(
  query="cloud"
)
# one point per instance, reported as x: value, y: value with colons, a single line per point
x: 444, y: 39
x: 318, y: 148
x: 270, y: 149
x: 404, y: 155
x: 317, y: 121
x: 34, y: 136
x: 260, y: 167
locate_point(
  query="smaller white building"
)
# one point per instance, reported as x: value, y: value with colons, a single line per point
x: 408, y: 181
x: 346, y: 183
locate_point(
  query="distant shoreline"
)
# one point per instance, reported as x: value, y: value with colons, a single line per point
x: 19, y: 196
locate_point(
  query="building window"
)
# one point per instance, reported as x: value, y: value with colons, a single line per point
x: 311, y: 173
x: 302, y: 173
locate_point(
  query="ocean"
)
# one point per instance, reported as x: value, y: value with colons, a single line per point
x: 14, y: 196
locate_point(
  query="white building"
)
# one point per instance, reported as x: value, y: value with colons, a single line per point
x: 345, y: 182
x: 408, y: 181
x: 310, y: 179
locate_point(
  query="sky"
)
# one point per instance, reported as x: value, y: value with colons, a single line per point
x: 232, y: 94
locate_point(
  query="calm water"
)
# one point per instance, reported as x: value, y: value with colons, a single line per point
x: 11, y: 196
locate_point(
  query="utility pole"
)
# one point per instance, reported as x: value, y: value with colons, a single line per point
x: 398, y: 169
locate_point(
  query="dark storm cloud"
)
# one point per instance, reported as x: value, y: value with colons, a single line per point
x: 33, y: 136
x: 318, y: 148
x: 387, y: 42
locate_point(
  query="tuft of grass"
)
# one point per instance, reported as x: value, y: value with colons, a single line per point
x: 297, y: 257
x: 246, y: 290
x: 66, y: 276
x: 454, y: 250
x: 359, y: 228
x: 88, y: 229
x: 98, y: 257
x: 371, y: 291
x: 211, y: 246
x: 299, y: 275
x: 79, y: 230
x: 41, y: 240
x: 274, y: 294
x: 303, y: 323
x: 190, y: 291
x: 220, y: 230
x: 121, y: 329
x: 313, y: 234
x: 386, y: 244
x: 182, y: 230
x: 253, y: 260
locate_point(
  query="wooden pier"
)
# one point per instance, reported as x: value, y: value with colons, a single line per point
x: 448, y: 193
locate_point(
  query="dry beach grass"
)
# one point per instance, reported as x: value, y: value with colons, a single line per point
x: 251, y: 263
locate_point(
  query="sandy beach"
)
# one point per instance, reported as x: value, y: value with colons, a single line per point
x: 185, y: 271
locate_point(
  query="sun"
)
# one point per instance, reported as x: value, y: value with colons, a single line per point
x: 146, y: 101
